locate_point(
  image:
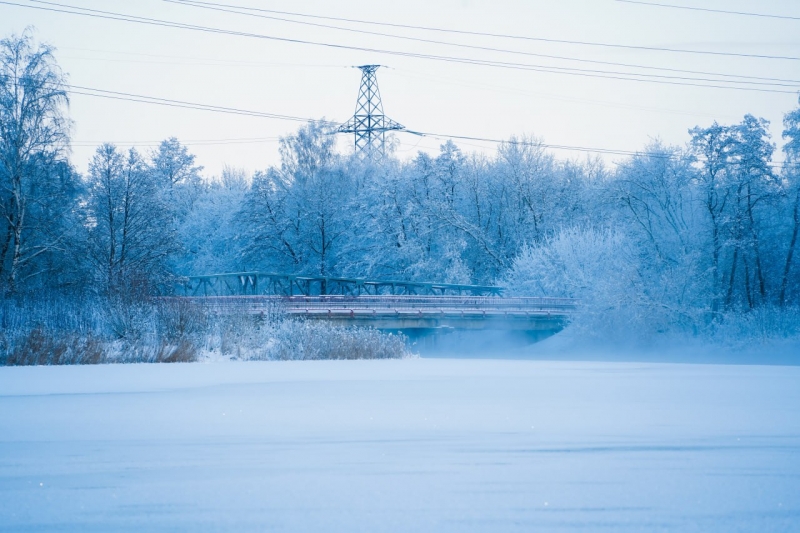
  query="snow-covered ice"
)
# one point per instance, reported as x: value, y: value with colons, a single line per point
x: 400, y: 445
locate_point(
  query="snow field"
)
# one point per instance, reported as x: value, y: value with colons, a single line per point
x: 400, y: 445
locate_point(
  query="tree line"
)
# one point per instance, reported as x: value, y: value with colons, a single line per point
x: 702, y: 229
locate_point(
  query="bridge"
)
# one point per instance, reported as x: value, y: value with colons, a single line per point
x: 415, y: 308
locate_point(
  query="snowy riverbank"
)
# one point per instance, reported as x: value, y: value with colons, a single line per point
x: 400, y: 445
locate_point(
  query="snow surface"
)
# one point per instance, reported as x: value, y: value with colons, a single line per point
x: 400, y: 445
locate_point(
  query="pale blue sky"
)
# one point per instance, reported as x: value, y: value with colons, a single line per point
x: 312, y: 81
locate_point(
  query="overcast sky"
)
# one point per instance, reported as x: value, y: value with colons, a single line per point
x: 578, y: 109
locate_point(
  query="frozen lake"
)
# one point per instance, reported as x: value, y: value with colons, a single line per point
x: 411, y: 445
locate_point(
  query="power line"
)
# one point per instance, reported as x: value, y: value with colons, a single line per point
x: 138, y: 98
x: 224, y: 8
x: 709, y: 10
x: 116, y: 95
x: 502, y: 35
x: 190, y: 142
x: 461, y: 60
x: 88, y: 91
x: 204, y: 107
x: 102, y: 93
x: 605, y: 151
x: 412, y: 74
x: 196, y: 61
x: 512, y: 141
x: 418, y: 75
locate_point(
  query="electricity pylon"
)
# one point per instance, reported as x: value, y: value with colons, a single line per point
x: 369, y: 124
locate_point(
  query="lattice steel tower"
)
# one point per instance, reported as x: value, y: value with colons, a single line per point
x: 369, y: 124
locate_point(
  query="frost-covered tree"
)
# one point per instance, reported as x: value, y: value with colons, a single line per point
x: 129, y: 237
x: 659, y: 212
x: 791, y: 182
x: 173, y: 165
x: 36, y: 182
x: 736, y: 185
x: 655, y: 192
x: 698, y: 236
x: 210, y: 234
x: 529, y: 187
x: 177, y: 177
x: 297, y: 217
x: 437, y: 192
x: 598, y: 266
x: 711, y: 146
x: 756, y: 185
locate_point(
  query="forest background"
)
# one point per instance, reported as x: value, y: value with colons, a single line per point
x: 691, y: 240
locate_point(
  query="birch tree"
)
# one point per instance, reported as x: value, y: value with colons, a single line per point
x: 34, y: 136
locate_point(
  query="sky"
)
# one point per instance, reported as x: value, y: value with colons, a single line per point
x: 301, y: 65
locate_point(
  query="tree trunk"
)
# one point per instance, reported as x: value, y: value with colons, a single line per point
x: 790, y: 253
x: 715, y: 253
x: 16, y: 228
x: 4, y: 249
x: 729, y: 295
x: 762, y: 286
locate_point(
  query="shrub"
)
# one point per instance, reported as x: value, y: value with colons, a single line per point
x: 172, y: 330
x: 308, y: 339
x: 40, y: 348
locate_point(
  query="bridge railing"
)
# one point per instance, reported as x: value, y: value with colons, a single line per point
x: 266, y: 283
